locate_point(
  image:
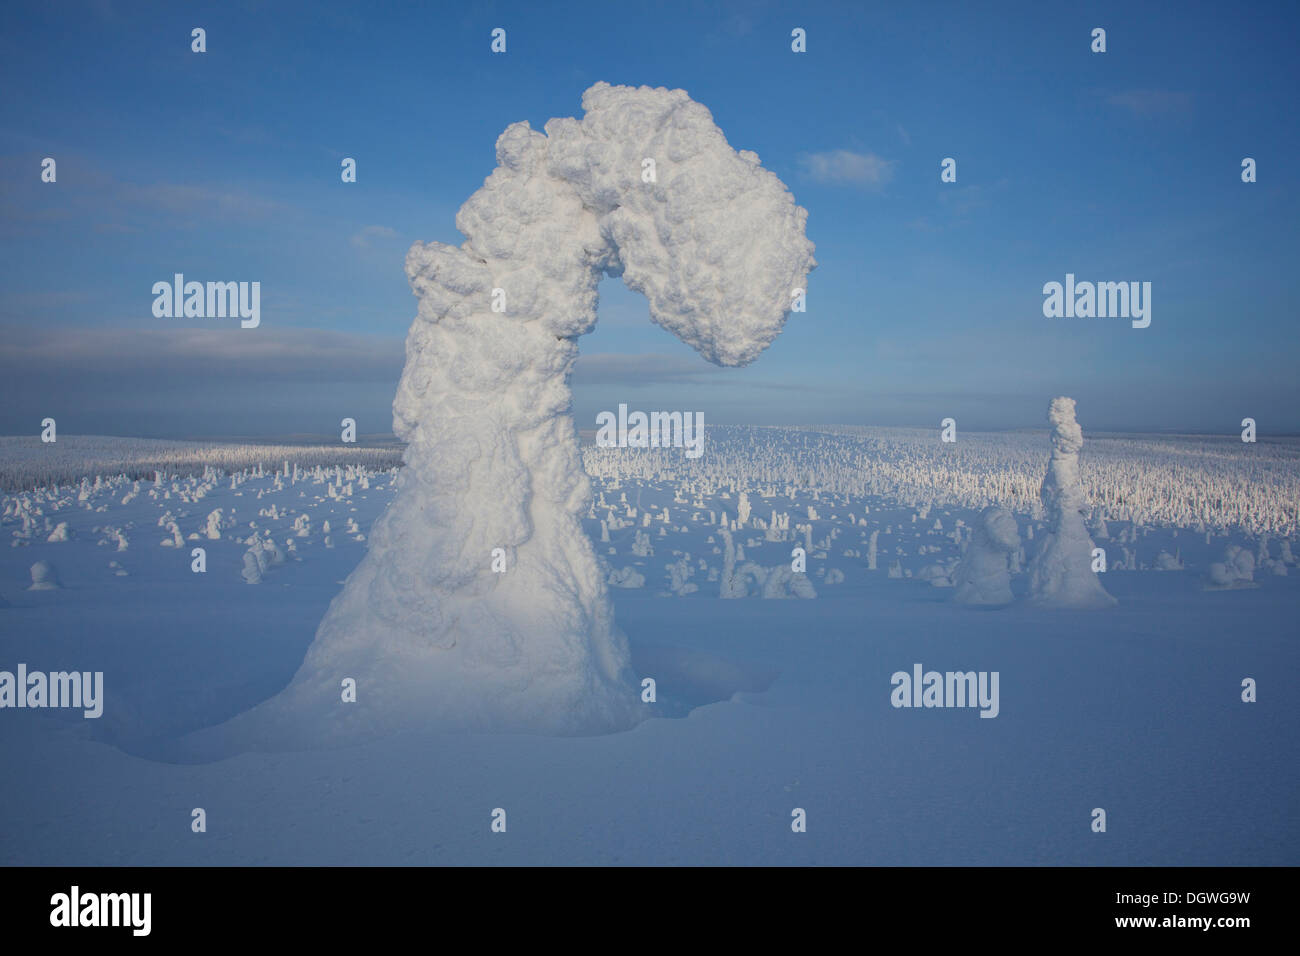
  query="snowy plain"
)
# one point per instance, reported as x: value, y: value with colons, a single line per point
x: 767, y: 705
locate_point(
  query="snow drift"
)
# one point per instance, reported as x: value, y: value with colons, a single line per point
x: 431, y: 634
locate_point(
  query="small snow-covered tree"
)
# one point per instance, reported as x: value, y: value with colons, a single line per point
x: 984, y: 574
x: 1060, y: 574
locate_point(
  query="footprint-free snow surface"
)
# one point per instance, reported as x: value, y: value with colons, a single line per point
x: 774, y: 688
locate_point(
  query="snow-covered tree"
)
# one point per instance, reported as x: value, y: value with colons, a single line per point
x: 1060, y: 574
x: 484, y: 405
x: 984, y: 574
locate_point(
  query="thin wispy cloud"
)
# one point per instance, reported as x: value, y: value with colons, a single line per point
x: 21, y: 302
x: 960, y: 201
x: 364, y: 237
x: 843, y: 167
x: 632, y: 370
x: 1152, y: 102
x: 89, y: 195
x: 619, y: 369
x: 185, y: 199
x: 204, y: 356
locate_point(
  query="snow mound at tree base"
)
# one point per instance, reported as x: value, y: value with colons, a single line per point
x: 501, y: 664
x: 1062, y: 576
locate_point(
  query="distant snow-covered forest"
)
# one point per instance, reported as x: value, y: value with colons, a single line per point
x: 1181, y: 481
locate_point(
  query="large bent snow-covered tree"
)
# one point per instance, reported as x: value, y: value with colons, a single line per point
x: 432, y: 636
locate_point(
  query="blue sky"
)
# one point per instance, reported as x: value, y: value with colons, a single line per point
x: 927, y: 301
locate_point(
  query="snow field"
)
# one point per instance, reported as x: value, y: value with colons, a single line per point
x: 778, y: 703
